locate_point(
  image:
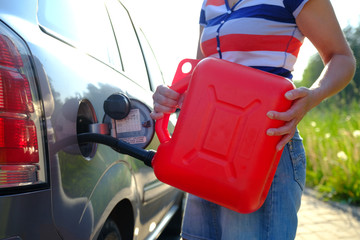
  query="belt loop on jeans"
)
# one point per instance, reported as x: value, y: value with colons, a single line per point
x: 290, y: 145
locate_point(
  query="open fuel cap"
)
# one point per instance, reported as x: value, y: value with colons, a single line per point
x: 117, y: 106
x: 136, y: 128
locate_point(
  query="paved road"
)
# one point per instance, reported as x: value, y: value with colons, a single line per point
x: 319, y: 220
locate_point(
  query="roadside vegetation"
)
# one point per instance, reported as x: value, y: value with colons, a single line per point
x: 331, y: 135
x: 332, y: 143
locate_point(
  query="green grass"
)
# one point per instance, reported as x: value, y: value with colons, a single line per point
x: 332, y: 143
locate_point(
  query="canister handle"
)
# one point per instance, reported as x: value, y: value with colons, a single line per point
x: 180, y: 84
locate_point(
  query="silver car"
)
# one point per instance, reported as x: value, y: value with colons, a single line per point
x: 60, y: 61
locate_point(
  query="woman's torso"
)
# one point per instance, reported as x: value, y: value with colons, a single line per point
x: 258, y: 33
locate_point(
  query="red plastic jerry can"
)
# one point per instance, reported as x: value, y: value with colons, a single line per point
x: 219, y: 150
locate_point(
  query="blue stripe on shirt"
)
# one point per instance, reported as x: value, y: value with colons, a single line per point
x: 202, y: 18
x: 292, y: 5
x: 265, y: 11
x: 275, y: 70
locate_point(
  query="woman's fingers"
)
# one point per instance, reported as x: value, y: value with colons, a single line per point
x: 166, y: 96
x: 291, y: 117
x: 165, y: 101
x: 156, y: 115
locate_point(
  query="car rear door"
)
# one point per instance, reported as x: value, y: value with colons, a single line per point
x: 84, y: 68
x: 156, y: 196
x: 79, y: 56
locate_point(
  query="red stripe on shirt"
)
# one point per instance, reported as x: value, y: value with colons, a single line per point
x: 245, y: 42
x: 215, y: 2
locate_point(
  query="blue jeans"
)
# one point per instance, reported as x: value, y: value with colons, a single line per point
x: 275, y: 220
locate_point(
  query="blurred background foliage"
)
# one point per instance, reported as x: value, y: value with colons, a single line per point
x: 331, y: 134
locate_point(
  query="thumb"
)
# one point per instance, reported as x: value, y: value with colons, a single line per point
x: 296, y: 93
x: 156, y: 115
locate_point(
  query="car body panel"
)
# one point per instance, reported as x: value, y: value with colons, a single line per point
x: 83, y: 191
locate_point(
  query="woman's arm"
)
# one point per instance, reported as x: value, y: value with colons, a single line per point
x: 317, y: 21
x: 199, y: 54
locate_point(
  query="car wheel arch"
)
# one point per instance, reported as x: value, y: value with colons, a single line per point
x: 124, y: 217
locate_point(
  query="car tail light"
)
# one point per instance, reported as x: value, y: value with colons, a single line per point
x: 21, y: 141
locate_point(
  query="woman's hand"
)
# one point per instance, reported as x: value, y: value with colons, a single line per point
x: 303, y: 101
x: 166, y: 101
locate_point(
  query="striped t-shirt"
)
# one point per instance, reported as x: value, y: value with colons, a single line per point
x: 258, y: 33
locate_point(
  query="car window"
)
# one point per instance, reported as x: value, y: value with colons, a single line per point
x: 83, y: 24
x: 128, y: 43
x: 152, y: 64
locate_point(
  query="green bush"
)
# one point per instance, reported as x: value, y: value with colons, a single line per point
x: 331, y: 136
